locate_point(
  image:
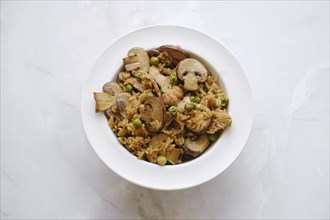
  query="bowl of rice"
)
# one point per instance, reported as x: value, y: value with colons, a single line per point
x: 167, y: 107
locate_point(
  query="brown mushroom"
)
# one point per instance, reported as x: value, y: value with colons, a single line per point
x: 153, y: 114
x: 141, y: 56
x: 153, y: 53
x: 191, y: 71
x: 175, y: 52
x: 196, y: 147
x: 103, y: 101
x: 174, y: 156
x: 165, y: 58
x: 123, y: 103
x: 168, y: 118
x: 160, y: 79
x: 156, y: 141
x: 112, y: 88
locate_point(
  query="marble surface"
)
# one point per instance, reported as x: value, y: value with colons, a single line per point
x: 48, y: 168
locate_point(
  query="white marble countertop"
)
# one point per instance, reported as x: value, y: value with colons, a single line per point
x: 48, y: 168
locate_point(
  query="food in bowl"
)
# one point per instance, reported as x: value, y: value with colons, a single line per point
x: 165, y: 107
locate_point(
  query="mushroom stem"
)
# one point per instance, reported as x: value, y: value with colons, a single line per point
x: 191, y: 82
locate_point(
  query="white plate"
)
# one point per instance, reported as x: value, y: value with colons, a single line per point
x: 218, y: 157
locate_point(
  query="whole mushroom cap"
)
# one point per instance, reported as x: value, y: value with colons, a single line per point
x: 191, y: 71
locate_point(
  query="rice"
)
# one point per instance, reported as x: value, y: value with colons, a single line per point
x: 209, y: 114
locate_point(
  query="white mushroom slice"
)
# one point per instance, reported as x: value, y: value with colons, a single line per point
x: 103, y: 101
x: 112, y: 88
x: 153, y: 114
x: 132, y: 66
x: 130, y: 59
x: 123, y: 103
x: 157, y: 140
x: 196, y: 147
x: 142, y: 56
x: 174, y: 156
x: 161, y: 80
x: 191, y: 71
x: 137, y: 85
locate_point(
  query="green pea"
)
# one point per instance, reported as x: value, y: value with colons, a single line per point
x: 138, y: 75
x: 163, y: 90
x: 224, y: 102
x: 149, y: 94
x: 173, y: 79
x: 154, y: 61
x: 172, y: 110
x: 213, y: 137
x: 189, y: 106
x: 137, y: 123
x: 195, y: 99
x: 128, y: 88
x: 161, y: 160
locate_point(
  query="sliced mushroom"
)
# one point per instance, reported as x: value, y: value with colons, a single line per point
x: 196, y: 147
x: 153, y: 114
x: 130, y: 59
x: 103, y: 101
x: 161, y: 80
x: 165, y: 58
x: 123, y: 103
x: 168, y: 118
x: 132, y: 66
x: 175, y: 52
x: 137, y: 85
x: 191, y: 71
x: 156, y: 141
x: 142, y: 57
x: 153, y: 53
x: 112, y: 88
x: 182, y: 103
x: 174, y: 156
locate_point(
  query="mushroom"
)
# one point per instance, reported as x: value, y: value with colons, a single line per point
x: 141, y: 56
x: 131, y: 62
x: 161, y: 80
x: 174, y: 156
x: 103, y: 101
x: 168, y: 118
x: 165, y: 58
x: 191, y: 71
x: 112, y: 88
x: 175, y: 52
x: 156, y: 141
x: 123, y: 103
x: 196, y: 147
x: 153, y: 53
x: 153, y: 114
